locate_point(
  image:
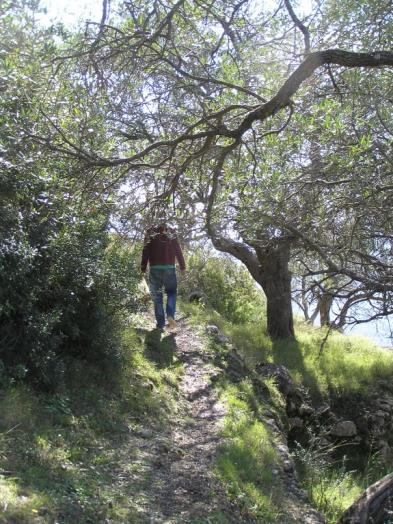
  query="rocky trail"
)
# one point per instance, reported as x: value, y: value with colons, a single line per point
x: 175, y: 482
x: 169, y: 469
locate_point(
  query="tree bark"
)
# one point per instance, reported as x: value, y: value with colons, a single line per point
x: 276, y: 283
x: 373, y: 506
x: 268, y: 265
x: 325, y: 301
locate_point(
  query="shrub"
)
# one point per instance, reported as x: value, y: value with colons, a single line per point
x: 225, y: 285
x: 63, y: 285
x: 62, y: 282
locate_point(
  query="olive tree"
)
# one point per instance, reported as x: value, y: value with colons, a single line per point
x: 219, y: 107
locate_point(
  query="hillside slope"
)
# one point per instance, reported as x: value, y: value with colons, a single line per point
x: 145, y: 451
x: 188, y: 432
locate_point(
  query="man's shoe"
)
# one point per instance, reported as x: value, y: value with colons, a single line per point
x: 171, y: 323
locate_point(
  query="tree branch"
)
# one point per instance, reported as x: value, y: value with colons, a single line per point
x: 300, y: 25
x: 262, y: 112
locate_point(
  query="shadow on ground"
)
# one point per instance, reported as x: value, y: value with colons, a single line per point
x: 289, y: 353
x: 160, y: 348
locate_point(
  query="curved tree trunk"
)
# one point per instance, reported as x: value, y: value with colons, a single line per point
x: 375, y: 505
x: 269, y: 268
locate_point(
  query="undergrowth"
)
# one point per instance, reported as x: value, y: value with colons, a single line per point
x: 66, y: 457
x: 332, y: 484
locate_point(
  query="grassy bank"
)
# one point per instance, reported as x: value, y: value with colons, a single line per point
x: 247, y: 465
x: 345, y: 370
x: 345, y: 365
x: 67, y: 457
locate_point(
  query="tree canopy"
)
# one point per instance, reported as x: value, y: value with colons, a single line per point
x: 264, y: 129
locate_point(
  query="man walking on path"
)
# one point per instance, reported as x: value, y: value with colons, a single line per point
x: 161, y: 250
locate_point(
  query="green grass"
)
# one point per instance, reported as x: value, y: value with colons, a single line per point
x: 332, y: 490
x: 348, y: 369
x: 346, y: 365
x: 248, y: 460
x: 332, y: 484
x: 67, y: 457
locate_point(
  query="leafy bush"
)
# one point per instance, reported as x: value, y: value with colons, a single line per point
x: 62, y: 289
x: 224, y: 285
x: 62, y: 281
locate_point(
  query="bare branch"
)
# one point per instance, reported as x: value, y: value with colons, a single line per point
x: 105, y: 8
x: 300, y: 25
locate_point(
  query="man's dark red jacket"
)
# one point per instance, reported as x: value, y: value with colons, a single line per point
x: 161, y: 247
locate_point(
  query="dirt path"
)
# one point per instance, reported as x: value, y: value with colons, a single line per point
x: 178, y: 463
x: 185, y: 484
x: 168, y: 469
